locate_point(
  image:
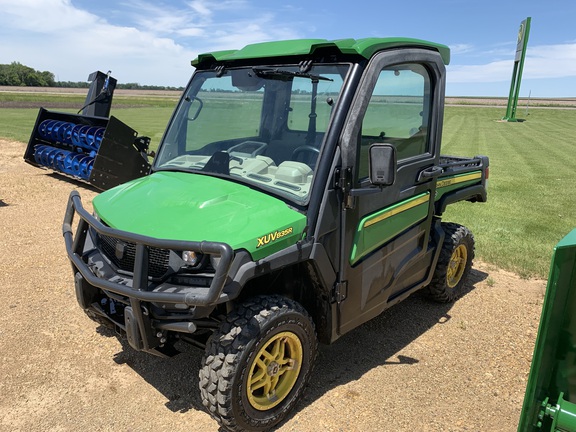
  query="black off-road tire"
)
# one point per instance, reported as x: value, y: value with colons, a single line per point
x: 269, y: 341
x: 454, y: 264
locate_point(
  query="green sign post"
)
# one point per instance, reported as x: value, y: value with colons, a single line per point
x: 523, y: 34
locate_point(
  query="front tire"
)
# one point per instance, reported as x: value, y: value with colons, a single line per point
x: 454, y: 264
x: 257, y: 364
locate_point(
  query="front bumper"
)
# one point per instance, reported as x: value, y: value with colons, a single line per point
x: 136, y: 289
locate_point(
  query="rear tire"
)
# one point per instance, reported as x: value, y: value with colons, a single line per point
x: 257, y: 364
x: 454, y: 264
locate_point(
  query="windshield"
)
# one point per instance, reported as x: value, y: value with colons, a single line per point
x: 263, y: 126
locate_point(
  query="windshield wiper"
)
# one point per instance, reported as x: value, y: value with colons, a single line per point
x: 275, y: 72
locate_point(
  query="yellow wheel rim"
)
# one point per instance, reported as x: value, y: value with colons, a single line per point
x: 274, y: 371
x: 456, y: 266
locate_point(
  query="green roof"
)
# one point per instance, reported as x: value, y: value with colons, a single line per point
x: 301, y: 47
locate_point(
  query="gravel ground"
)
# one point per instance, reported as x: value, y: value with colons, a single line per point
x: 419, y: 366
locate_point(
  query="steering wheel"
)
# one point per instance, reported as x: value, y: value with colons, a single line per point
x: 311, y: 161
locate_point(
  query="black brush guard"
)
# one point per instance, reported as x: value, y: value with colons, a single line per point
x: 140, y: 331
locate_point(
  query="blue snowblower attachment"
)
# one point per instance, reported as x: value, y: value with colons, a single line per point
x: 90, y: 147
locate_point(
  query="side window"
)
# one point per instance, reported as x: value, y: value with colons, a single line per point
x: 398, y: 113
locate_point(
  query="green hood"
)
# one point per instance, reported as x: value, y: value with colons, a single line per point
x: 192, y: 207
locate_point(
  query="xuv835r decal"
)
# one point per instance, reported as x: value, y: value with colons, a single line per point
x: 264, y: 240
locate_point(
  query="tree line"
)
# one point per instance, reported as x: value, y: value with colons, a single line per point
x: 17, y: 74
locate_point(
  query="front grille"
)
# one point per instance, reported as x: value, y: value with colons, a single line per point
x: 157, y: 258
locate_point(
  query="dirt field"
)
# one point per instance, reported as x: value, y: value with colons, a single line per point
x: 569, y: 102
x: 83, y: 91
x: 418, y: 367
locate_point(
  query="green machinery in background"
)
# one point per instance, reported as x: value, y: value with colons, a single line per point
x: 521, y: 45
x: 550, y: 399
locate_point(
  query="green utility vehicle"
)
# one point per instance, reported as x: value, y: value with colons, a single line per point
x: 296, y: 194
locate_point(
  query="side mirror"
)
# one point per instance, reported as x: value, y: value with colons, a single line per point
x: 194, y: 108
x: 382, y: 164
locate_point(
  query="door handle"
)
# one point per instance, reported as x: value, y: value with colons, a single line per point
x: 433, y: 171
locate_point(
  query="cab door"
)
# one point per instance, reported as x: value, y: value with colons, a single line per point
x: 385, y: 232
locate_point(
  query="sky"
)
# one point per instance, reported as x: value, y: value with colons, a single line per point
x: 152, y: 42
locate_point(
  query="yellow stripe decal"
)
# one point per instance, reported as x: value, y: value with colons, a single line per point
x: 401, y: 208
x: 460, y: 179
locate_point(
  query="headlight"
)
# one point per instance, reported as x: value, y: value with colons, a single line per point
x: 190, y: 258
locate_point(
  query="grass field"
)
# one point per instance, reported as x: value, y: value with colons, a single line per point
x: 532, y: 200
x: 531, y: 203
x: 148, y: 115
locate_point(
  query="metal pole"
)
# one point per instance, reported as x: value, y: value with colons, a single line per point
x: 528, y: 102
